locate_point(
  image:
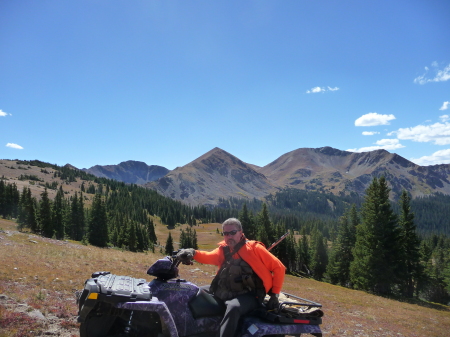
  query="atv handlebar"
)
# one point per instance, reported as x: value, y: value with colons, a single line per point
x: 175, y: 258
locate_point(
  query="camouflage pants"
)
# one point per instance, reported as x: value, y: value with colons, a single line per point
x: 236, y: 308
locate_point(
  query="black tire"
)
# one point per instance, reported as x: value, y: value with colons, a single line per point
x: 98, y: 322
x: 96, y: 326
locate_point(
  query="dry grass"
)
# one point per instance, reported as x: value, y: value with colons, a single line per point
x: 43, y: 274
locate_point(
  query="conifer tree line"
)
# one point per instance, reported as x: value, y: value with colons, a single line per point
x: 120, y: 214
x: 301, y: 208
x: 124, y: 210
x: 374, y: 246
x: 67, y: 218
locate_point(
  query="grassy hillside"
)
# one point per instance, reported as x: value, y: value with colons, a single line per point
x: 39, y: 276
x: 35, y: 178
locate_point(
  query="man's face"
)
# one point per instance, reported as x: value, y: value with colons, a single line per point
x: 231, y: 240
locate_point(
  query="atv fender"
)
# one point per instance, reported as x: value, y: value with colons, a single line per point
x: 154, y: 305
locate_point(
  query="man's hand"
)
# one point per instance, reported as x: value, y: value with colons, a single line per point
x: 186, y: 255
x: 273, y: 302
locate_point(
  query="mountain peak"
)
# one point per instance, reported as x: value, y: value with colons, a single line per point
x: 214, y: 175
x: 328, y: 150
x: 217, y: 151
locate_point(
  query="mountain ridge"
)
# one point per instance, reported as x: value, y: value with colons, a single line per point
x: 130, y: 171
x: 218, y: 174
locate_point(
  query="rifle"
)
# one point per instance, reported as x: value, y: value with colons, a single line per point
x: 278, y: 241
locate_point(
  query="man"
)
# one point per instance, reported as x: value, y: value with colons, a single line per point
x: 247, y: 271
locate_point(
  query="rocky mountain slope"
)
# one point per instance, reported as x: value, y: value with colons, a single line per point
x: 216, y: 174
x: 133, y: 172
x: 331, y: 170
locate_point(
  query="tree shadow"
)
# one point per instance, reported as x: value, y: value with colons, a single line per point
x: 422, y: 303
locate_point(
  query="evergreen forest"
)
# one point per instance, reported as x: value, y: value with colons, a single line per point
x: 387, y: 248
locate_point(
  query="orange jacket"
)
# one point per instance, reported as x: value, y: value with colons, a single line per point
x: 264, y: 264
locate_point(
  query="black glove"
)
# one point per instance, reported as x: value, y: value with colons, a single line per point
x: 273, y: 302
x: 186, y: 255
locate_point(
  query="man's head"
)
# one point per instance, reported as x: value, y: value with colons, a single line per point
x: 232, y: 231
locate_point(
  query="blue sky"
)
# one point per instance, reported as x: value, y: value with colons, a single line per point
x: 163, y: 82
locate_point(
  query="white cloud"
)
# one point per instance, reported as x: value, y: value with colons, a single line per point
x: 440, y: 75
x: 444, y: 118
x: 373, y: 119
x: 437, y: 133
x: 369, y: 133
x: 386, y: 144
x: 439, y: 157
x: 316, y: 90
x: 444, y: 106
x: 14, y: 146
x: 3, y: 114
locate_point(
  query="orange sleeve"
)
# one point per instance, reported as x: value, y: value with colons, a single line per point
x: 274, y: 265
x: 214, y: 257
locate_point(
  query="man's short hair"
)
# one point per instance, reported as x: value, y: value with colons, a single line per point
x: 233, y: 221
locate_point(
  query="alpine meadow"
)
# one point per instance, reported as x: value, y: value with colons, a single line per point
x: 354, y: 252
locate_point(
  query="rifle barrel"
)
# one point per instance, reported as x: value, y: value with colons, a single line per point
x: 278, y: 241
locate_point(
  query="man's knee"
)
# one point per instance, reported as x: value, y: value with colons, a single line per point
x: 233, y: 304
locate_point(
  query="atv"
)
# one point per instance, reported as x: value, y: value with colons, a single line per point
x: 122, y: 306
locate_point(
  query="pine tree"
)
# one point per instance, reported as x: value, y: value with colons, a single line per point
x: 447, y: 277
x: 98, y: 223
x: 188, y: 238
x: 45, y: 215
x: 151, y: 231
x: 169, y: 245
x: 114, y: 232
x: 194, y: 240
x: 410, y: 244
x: 9, y: 199
x: 132, y: 237
x: 248, y: 223
x: 142, y: 238
x: 265, y: 232
x: 184, y: 243
x: 58, y: 214
x: 435, y: 256
x: 81, y: 222
x: 124, y: 232
x: 3, y: 206
x: 22, y: 216
x: 377, y: 253
x: 319, y: 255
x: 338, y: 269
x: 31, y: 209
x: 304, y: 257
x: 77, y: 218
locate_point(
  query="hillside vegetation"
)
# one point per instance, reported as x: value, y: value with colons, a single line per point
x: 39, y: 277
x: 376, y: 248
